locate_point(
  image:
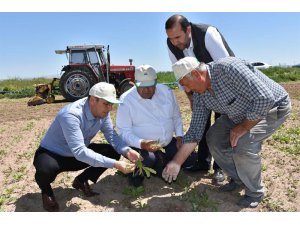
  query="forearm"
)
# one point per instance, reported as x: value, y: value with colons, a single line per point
x: 248, y: 124
x: 240, y: 130
x: 184, y: 152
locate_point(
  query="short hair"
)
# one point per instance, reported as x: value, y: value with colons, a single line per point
x: 173, y: 20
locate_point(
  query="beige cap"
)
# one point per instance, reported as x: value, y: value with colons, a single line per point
x: 184, y: 66
x: 104, y: 91
x: 145, y: 76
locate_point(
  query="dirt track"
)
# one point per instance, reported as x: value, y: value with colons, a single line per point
x: 22, y: 128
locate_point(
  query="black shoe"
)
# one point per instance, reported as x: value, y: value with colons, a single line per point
x: 219, y: 176
x: 84, y: 187
x: 49, y: 203
x: 205, y: 167
x: 231, y: 186
x: 250, y: 202
x: 135, y: 180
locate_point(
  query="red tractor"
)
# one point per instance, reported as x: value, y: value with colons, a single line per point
x: 89, y: 65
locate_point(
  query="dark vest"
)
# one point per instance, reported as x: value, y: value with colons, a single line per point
x: 200, y: 51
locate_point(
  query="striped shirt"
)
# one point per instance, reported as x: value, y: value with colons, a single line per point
x: 240, y: 92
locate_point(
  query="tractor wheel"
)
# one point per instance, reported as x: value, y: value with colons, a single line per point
x: 76, y: 84
x: 125, y: 87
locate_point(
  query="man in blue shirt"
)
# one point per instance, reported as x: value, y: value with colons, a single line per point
x: 252, y: 106
x: 66, y: 145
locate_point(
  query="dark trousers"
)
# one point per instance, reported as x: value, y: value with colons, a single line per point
x: 48, y: 165
x: 158, y: 160
x: 204, y: 156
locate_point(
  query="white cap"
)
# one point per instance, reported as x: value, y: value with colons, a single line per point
x: 145, y: 76
x: 105, y: 91
x: 184, y: 66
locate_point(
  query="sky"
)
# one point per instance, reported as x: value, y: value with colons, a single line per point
x: 28, y: 39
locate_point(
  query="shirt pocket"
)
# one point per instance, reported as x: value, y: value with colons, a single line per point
x: 236, y: 107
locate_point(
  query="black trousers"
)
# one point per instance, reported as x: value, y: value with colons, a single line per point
x: 48, y: 165
x: 204, y: 156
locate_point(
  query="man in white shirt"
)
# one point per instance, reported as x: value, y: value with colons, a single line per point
x: 148, y: 114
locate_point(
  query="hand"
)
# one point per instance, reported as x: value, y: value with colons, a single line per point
x: 124, y: 167
x: 171, y: 171
x: 235, y: 134
x: 133, y: 155
x: 150, y: 145
x: 178, y: 142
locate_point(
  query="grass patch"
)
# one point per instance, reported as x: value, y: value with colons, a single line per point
x: 287, y: 140
x: 281, y: 74
x: 21, y: 88
x: 272, y: 205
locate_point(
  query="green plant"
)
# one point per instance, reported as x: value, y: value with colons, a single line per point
x: 292, y: 194
x: 264, y: 167
x: 2, y: 153
x: 21, y: 171
x: 134, y: 191
x: 140, y: 169
x: 198, y: 200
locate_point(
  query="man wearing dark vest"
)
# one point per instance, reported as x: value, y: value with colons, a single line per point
x: 207, y: 44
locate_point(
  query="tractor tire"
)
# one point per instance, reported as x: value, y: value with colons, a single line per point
x: 125, y: 87
x: 76, y: 84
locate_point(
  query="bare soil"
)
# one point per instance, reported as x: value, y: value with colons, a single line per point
x: 22, y: 128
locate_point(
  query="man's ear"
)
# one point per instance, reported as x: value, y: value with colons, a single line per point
x: 189, y: 29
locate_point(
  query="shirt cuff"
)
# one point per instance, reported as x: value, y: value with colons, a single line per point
x: 109, y: 163
x: 125, y: 150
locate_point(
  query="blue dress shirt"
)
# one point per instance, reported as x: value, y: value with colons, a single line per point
x: 72, y: 131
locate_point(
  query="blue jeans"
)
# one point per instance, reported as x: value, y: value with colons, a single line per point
x: 243, y: 162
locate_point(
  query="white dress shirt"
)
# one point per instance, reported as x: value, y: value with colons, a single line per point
x: 213, y: 44
x: 157, y: 118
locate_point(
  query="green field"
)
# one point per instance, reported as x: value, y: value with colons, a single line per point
x: 18, y: 88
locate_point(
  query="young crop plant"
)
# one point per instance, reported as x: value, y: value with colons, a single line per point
x: 140, y: 169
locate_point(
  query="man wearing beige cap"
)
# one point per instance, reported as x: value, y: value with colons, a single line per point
x: 252, y: 107
x: 67, y: 144
x: 149, y: 114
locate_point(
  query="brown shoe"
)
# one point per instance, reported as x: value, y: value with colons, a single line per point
x: 84, y: 187
x: 49, y: 203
